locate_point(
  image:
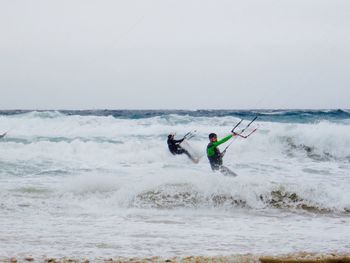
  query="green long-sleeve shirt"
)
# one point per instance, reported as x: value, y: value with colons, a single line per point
x: 211, y: 149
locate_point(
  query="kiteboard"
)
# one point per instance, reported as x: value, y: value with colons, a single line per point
x: 227, y: 172
x: 195, y: 154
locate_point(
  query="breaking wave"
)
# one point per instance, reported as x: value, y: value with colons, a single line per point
x: 287, y: 162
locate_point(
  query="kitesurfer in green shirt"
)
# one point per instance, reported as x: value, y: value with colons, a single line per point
x: 214, y: 154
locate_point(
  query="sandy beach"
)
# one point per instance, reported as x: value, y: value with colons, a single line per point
x: 289, y: 258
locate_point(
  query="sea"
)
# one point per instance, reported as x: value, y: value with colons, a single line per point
x: 102, y: 184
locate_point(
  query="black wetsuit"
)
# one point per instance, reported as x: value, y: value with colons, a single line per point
x: 216, y: 159
x: 174, y: 146
x: 214, y: 154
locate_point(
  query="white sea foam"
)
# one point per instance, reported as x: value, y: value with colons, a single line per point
x: 101, y: 181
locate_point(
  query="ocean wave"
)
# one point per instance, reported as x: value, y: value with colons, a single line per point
x: 181, y: 196
x: 60, y: 139
x: 273, y: 115
x: 202, y: 192
x: 121, y: 142
x: 313, y: 152
x: 64, y: 146
x: 100, y: 196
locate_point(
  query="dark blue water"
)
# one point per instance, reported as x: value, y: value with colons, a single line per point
x: 275, y: 115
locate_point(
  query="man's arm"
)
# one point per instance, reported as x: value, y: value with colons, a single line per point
x: 211, y: 151
x: 216, y: 144
x: 179, y: 141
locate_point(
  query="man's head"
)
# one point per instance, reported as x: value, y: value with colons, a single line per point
x: 170, y: 136
x: 213, y: 137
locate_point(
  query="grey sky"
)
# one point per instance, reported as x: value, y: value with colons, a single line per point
x: 183, y: 54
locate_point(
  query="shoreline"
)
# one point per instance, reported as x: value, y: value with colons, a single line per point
x: 248, y: 258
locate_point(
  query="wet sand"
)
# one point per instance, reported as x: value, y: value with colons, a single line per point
x: 290, y: 258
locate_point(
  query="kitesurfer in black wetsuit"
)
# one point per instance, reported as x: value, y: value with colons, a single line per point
x: 175, y: 147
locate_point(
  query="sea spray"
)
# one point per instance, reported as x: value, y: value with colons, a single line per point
x: 104, y: 183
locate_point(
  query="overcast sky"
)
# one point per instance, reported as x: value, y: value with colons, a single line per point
x: 178, y: 54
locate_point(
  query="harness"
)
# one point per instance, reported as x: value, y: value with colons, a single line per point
x: 216, y: 159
